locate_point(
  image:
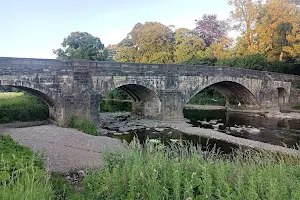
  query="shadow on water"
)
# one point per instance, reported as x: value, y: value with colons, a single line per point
x: 170, y: 136
x: 283, y: 132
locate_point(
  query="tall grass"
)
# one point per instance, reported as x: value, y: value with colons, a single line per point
x: 178, y: 172
x: 20, y: 107
x: 21, y: 173
x: 83, y: 125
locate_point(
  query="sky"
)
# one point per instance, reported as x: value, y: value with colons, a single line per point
x: 33, y: 28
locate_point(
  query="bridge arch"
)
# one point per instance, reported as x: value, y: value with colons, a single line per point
x: 236, y: 94
x: 42, y: 93
x: 146, y: 101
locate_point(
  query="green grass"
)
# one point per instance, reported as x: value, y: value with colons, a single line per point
x: 21, y: 173
x: 160, y: 172
x: 5, y: 95
x: 83, y: 125
x: 20, y: 107
x: 155, y: 171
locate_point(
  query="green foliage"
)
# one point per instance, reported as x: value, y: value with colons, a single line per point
x: 151, y: 42
x: 208, y: 96
x: 15, y: 107
x: 62, y: 188
x: 21, y: 173
x: 259, y: 62
x: 114, y: 106
x: 83, y: 125
x: 185, y: 172
x: 254, y: 61
x: 201, y: 61
x: 188, y: 46
x: 81, y: 45
x: 297, y: 107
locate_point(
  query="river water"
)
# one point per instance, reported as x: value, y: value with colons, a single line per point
x: 283, y: 132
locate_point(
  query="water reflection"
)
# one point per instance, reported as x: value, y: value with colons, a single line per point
x: 284, y: 132
x: 169, y: 136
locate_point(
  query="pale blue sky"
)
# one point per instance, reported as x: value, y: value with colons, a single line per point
x: 32, y: 28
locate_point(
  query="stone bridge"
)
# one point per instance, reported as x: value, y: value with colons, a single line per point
x: 76, y: 87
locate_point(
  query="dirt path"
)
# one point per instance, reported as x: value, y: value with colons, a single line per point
x: 65, y: 149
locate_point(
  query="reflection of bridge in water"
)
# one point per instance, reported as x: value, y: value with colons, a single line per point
x: 158, y: 90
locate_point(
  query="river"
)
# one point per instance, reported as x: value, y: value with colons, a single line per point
x: 282, y: 132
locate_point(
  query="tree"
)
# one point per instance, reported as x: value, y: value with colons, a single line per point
x: 266, y: 27
x: 293, y: 49
x: 151, y: 42
x: 210, y: 29
x: 244, y: 17
x: 188, y: 45
x: 276, y: 23
x: 111, y: 50
x: 81, y: 45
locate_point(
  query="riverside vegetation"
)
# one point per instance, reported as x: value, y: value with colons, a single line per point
x: 16, y: 106
x: 155, y: 171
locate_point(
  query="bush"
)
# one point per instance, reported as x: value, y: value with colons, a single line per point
x: 260, y: 62
x: 83, y: 125
x: 201, y: 61
x: 254, y: 61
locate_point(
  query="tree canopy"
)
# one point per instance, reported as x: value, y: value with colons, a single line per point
x: 269, y: 31
x: 81, y: 45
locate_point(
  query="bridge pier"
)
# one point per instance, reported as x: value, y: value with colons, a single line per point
x: 84, y: 106
x: 172, y: 105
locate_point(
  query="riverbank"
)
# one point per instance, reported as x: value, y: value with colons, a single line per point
x: 154, y: 171
x: 65, y: 149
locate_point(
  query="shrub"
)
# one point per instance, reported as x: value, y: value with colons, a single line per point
x: 201, y: 61
x: 253, y: 61
x: 83, y: 125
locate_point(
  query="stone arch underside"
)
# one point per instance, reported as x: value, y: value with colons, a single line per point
x: 236, y: 94
x: 146, y: 101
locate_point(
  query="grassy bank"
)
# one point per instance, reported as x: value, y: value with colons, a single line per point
x: 155, y: 172
x: 20, y: 107
x: 21, y: 173
x: 158, y: 172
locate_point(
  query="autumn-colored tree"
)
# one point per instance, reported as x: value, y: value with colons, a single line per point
x: 112, y: 50
x: 293, y: 49
x: 275, y: 25
x: 244, y: 17
x: 151, y: 42
x: 266, y: 26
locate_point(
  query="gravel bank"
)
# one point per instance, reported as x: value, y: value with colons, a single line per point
x: 65, y: 149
